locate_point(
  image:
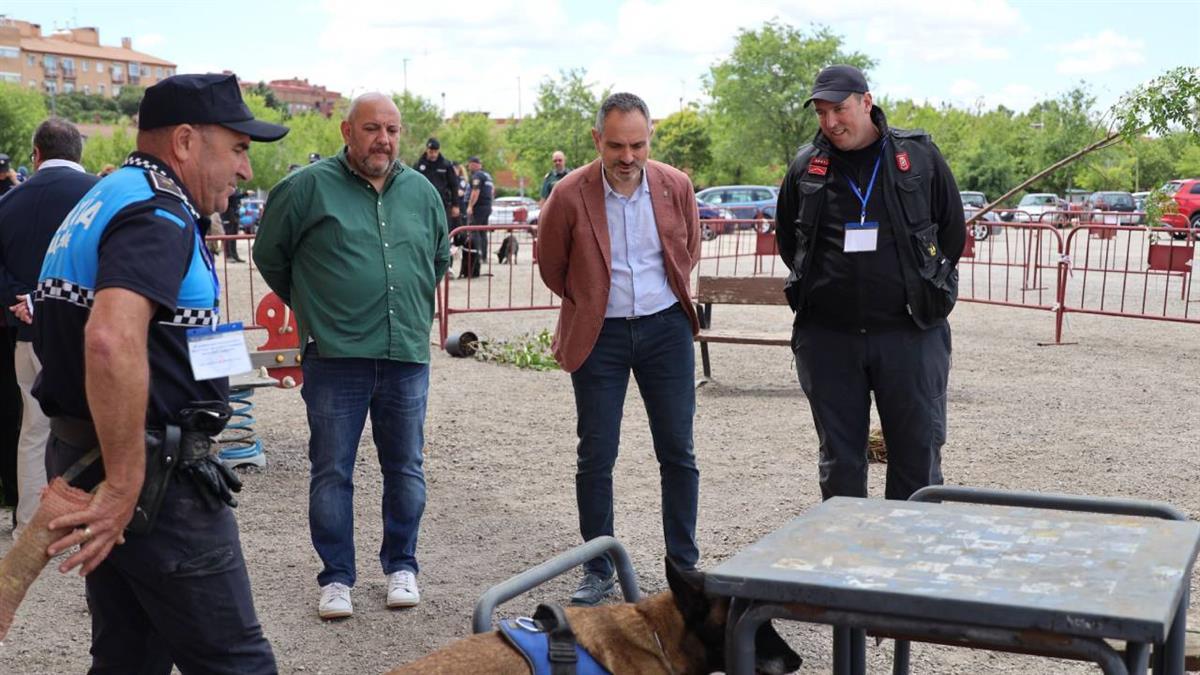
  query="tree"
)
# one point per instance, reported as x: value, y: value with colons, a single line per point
x: 269, y: 97
x: 421, y: 119
x: 268, y: 161
x: 474, y: 134
x: 1163, y: 105
x: 21, y: 110
x: 758, y: 94
x: 100, y: 149
x: 130, y: 98
x: 563, y: 116
x: 682, y: 141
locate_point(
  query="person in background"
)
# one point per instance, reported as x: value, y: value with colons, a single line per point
x: 554, y: 175
x: 479, y: 209
x: 29, y: 217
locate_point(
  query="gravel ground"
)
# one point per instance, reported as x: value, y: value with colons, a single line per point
x: 1112, y: 414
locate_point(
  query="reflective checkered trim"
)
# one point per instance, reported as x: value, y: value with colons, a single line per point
x: 61, y: 289
x: 191, y: 317
x: 143, y: 163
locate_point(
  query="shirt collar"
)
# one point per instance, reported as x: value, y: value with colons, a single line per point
x: 149, y: 162
x: 64, y: 163
x: 608, y: 189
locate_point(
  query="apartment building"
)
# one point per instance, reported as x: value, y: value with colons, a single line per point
x: 73, y: 60
x: 299, y: 95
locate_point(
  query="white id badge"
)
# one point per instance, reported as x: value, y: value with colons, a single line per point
x: 861, y: 237
x: 218, y: 353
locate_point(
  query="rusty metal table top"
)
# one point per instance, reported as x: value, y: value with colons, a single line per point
x: 1071, y: 573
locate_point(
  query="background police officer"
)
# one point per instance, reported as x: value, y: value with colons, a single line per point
x: 479, y: 209
x: 870, y: 224
x: 554, y: 175
x: 440, y: 172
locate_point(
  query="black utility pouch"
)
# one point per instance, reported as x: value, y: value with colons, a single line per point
x: 162, y: 456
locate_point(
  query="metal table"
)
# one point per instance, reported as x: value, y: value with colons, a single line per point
x: 1031, y: 580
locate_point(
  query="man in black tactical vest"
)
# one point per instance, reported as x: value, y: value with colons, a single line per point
x: 870, y: 223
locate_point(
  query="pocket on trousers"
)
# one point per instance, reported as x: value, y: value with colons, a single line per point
x: 215, y: 561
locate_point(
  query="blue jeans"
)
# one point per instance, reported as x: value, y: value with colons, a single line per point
x: 658, y: 350
x: 339, y: 393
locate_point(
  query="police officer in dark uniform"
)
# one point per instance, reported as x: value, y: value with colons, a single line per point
x: 870, y: 223
x: 8, y: 177
x: 479, y: 208
x: 439, y: 171
x: 125, y: 280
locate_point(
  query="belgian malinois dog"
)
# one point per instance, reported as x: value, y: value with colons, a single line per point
x: 508, y: 249
x: 677, y: 632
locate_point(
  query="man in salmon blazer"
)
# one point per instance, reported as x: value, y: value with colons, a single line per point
x: 617, y: 241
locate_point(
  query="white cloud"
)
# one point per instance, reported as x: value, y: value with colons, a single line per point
x: 1102, y: 53
x: 148, y: 41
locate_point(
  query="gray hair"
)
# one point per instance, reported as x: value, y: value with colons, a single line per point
x: 56, y: 138
x: 623, y: 101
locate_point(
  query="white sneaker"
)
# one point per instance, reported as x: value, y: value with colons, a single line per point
x: 335, y: 602
x: 402, y: 589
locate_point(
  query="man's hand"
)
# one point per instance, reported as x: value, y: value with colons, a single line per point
x: 95, y: 529
x: 21, y: 309
x: 454, y: 211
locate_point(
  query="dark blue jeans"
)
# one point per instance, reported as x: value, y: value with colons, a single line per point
x: 177, y: 594
x: 339, y: 393
x: 658, y: 350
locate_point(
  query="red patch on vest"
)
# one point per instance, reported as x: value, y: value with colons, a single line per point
x: 817, y: 169
x: 823, y: 161
x: 902, y: 162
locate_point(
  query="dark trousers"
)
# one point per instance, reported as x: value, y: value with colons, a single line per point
x: 907, y: 370
x: 476, y: 246
x: 176, y: 595
x: 230, y: 245
x: 658, y: 350
x: 10, y: 417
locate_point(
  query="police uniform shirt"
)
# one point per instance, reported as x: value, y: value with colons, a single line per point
x: 482, y: 181
x: 137, y: 230
x: 440, y: 173
x: 862, y: 290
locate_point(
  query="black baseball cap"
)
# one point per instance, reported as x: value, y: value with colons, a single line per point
x: 474, y: 158
x: 203, y: 99
x: 433, y: 144
x: 4, y: 160
x: 836, y: 83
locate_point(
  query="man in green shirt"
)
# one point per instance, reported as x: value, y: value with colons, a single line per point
x: 554, y: 175
x: 355, y: 245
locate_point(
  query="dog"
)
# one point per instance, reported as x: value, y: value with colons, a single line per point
x: 676, y: 632
x: 508, y: 249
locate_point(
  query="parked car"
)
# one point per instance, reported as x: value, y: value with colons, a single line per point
x: 746, y: 202
x: 1186, y: 194
x: 508, y: 210
x: 1113, y: 204
x: 1033, y: 205
x: 972, y: 202
x: 711, y: 219
x: 1139, y: 205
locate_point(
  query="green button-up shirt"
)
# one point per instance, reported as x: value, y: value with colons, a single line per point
x: 358, y: 267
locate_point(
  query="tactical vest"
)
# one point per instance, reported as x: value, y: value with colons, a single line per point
x: 930, y: 277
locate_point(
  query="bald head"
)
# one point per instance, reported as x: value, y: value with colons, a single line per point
x: 371, y: 131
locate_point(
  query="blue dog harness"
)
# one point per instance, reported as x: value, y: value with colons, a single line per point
x: 548, y: 645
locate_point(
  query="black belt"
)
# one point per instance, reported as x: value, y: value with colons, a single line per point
x: 672, y: 308
x: 81, y: 434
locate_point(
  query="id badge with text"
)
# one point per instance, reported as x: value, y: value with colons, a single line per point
x: 218, y: 353
x: 861, y: 237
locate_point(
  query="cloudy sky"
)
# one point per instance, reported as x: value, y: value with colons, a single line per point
x: 491, y: 54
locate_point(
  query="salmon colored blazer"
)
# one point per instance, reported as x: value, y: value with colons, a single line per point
x: 575, y: 255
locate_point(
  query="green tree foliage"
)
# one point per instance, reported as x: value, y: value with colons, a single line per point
x: 758, y: 93
x: 682, y: 140
x: 130, y: 98
x: 269, y: 161
x: 83, y: 108
x: 21, y: 110
x: 474, y: 134
x: 268, y: 96
x: 422, y: 118
x: 563, y: 117
x: 100, y: 149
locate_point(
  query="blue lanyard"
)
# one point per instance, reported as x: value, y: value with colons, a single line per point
x: 862, y: 217
x: 211, y: 264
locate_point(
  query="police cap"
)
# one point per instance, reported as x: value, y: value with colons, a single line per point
x: 203, y: 99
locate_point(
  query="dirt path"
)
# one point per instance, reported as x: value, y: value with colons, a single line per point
x: 1112, y: 415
